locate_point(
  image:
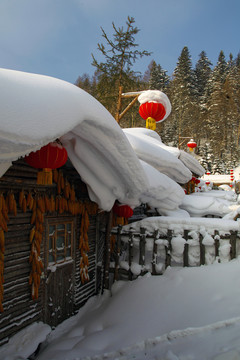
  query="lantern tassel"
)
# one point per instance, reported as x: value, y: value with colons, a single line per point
x: 151, y: 123
x: 44, y: 177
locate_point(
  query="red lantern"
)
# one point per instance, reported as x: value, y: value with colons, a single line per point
x: 197, y: 181
x: 231, y: 171
x: 208, y: 173
x: 51, y: 156
x: 122, y: 210
x: 191, y: 145
x: 152, y: 112
x: 207, y: 183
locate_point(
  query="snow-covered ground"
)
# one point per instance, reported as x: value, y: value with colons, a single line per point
x: 187, y: 313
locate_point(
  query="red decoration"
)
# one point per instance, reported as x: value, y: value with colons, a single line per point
x: 191, y: 145
x: 154, y: 110
x: 122, y: 210
x: 207, y: 183
x: 51, y: 156
x: 197, y: 181
x: 208, y: 173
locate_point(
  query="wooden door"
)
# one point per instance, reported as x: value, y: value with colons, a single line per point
x: 59, y: 270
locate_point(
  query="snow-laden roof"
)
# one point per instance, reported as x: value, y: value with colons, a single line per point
x: 37, y: 109
x: 186, y: 159
x: 163, y: 193
x: 150, y: 149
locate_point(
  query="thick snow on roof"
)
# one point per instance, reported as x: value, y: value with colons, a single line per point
x: 186, y: 159
x: 37, y: 109
x: 150, y: 150
x: 163, y: 193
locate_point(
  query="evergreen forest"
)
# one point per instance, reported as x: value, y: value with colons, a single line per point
x: 205, y: 98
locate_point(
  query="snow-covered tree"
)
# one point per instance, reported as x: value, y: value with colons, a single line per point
x: 158, y: 79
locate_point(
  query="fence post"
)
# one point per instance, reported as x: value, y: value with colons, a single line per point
x: 142, y: 245
x: 154, y: 255
x: 168, y: 249
x: 186, y: 246
x: 202, y: 250
x: 116, y: 270
x: 216, y: 243
x: 233, y: 240
x: 130, y: 249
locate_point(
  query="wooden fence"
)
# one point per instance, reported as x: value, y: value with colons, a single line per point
x: 137, y: 252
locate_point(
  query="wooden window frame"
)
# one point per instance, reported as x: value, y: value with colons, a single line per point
x: 55, y: 222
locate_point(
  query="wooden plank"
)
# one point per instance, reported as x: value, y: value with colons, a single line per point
x: 142, y: 245
x: 154, y: 254
x: 202, y: 250
x: 130, y: 251
x: 168, y: 249
x: 118, y: 250
x: 233, y: 242
x: 186, y: 248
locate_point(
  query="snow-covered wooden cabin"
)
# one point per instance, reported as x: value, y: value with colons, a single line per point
x: 51, y: 241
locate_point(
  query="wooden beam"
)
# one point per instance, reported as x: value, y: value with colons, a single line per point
x: 128, y: 107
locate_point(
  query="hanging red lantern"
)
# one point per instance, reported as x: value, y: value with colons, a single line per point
x: 122, y: 210
x: 191, y: 145
x: 152, y: 112
x: 207, y: 183
x: 197, y: 181
x: 50, y: 156
x: 208, y: 173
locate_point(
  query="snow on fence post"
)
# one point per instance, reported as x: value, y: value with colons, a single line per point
x: 142, y: 245
x: 154, y: 254
x: 202, y: 250
x: 130, y: 250
x: 185, y: 252
x: 168, y: 249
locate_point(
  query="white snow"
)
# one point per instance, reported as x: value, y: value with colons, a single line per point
x: 149, y: 150
x: 25, y: 342
x: 188, y: 313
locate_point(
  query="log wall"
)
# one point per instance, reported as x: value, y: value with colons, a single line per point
x: 19, y: 308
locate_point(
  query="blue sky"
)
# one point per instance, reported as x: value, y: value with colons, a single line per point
x: 57, y: 37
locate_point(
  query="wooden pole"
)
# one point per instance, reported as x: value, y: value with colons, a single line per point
x: 107, y: 251
x: 128, y: 107
x: 119, y: 104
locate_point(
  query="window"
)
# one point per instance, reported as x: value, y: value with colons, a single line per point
x: 60, y: 242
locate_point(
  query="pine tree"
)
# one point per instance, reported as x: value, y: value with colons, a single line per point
x: 202, y: 72
x: 159, y: 79
x: 120, y: 54
x: 184, y: 97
